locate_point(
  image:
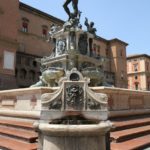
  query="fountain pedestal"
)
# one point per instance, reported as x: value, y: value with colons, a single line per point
x: 74, y: 117
x: 74, y: 137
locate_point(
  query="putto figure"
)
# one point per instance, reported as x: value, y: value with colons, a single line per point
x: 75, y: 7
x: 90, y: 27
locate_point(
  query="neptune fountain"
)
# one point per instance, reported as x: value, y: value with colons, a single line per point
x: 73, y: 117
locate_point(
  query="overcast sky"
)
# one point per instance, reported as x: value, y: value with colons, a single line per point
x: 128, y: 20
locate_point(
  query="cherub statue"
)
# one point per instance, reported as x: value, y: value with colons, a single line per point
x: 53, y: 29
x: 90, y: 27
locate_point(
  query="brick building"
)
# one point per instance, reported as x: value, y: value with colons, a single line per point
x: 23, y: 33
x: 138, y: 70
x: 115, y: 52
x: 23, y: 38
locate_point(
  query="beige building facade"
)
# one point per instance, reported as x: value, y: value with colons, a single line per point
x: 115, y: 67
x: 138, y: 69
x: 23, y: 35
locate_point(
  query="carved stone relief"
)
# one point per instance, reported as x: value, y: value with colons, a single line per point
x: 61, y: 47
x: 74, y: 97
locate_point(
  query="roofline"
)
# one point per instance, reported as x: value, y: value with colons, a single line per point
x: 118, y: 40
x: 112, y: 40
x: 137, y: 56
x: 32, y: 9
x: 100, y: 38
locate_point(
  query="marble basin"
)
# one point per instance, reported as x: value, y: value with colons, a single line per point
x: 96, y: 75
x: 52, y: 75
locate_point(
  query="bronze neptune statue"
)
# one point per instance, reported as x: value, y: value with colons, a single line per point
x: 75, y: 8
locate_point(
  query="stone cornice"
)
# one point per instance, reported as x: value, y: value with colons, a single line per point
x: 134, y: 73
x: 138, y: 56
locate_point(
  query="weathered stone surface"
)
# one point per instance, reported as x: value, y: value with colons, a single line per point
x: 81, y: 137
x: 74, y: 98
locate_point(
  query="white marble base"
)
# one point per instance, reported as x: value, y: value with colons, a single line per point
x: 73, y: 137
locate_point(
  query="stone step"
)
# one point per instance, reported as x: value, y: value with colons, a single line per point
x: 128, y: 134
x: 14, y: 144
x: 134, y: 144
x: 125, y: 124
x: 18, y: 124
x: 26, y: 135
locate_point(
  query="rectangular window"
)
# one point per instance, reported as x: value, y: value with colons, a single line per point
x: 1, y: 82
x: 98, y: 50
x: 135, y: 67
x: 136, y: 86
x: 136, y: 77
x: 9, y: 59
x: 147, y: 66
x: 25, y: 27
x: 18, y: 59
x: 107, y: 52
x: 148, y: 86
x: 121, y: 53
x: 44, y: 33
